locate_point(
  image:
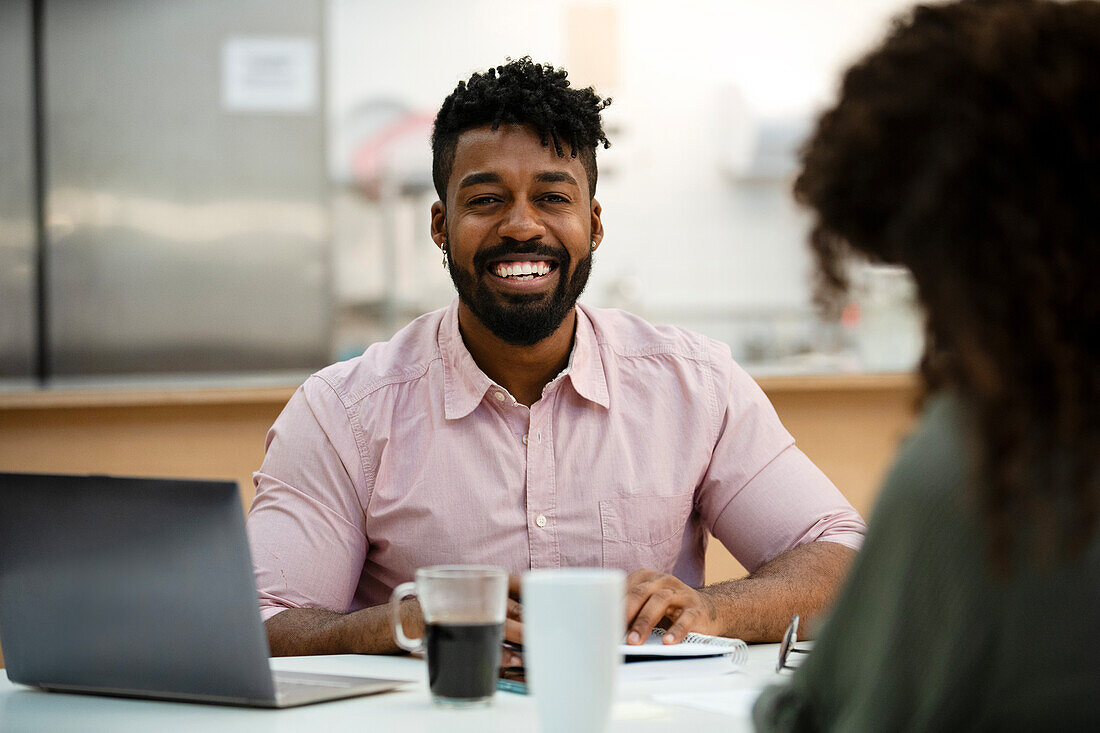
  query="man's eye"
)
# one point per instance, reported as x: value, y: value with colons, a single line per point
x: 481, y: 200
x: 555, y: 198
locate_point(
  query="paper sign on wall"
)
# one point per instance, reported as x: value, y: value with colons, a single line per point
x: 269, y: 74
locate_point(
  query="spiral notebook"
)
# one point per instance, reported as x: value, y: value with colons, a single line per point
x: 693, y: 645
x: 732, y: 654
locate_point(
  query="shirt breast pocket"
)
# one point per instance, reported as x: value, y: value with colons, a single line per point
x: 644, y: 531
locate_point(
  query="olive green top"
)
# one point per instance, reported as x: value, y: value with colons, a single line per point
x: 925, y: 637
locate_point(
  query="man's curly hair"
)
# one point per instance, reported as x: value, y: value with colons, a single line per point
x: 525, y: 93
x: 967, y: 148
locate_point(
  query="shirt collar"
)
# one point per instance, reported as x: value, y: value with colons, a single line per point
x: 586, y: 370
x: 465, y: 385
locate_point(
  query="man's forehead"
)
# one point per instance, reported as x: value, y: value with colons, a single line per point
x: 509, y: 147
x: 476, y: 178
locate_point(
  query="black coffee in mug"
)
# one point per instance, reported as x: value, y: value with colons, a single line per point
x: 463, y: 659
x: 464, y: 608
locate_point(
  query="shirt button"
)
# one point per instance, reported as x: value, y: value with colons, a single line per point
x: 540, y: 520
x: 525, y: 440
x: 499, y: 396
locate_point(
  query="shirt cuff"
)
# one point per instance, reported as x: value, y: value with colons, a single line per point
x: 267, y: 612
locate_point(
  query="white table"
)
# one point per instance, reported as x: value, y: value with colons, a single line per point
x: 406, y: 711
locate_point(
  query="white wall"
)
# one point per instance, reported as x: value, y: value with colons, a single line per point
x: 692, y: 87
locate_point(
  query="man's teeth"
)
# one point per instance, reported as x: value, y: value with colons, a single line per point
x: 521, y: 269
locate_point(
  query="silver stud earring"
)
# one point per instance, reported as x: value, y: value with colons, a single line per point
x: 593, y: 245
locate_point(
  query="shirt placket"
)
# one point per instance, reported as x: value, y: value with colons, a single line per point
x: 542, y: 509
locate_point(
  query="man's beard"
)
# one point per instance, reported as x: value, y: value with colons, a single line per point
x: 521, y: 319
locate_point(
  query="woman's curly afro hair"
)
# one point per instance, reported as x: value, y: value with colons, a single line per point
x: 967, y: 148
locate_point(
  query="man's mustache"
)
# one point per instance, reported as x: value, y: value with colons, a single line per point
x: 527, y: 249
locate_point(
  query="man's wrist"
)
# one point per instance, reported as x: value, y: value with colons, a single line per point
x: 373, y: 627
x: 718, y: 602
x: 412, y: 619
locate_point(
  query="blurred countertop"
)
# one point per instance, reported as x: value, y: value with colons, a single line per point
x: 268, y: 388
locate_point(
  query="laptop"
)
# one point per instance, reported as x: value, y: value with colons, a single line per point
x: 140, y: 588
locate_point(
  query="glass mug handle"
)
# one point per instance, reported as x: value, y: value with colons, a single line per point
x: 399, y: 594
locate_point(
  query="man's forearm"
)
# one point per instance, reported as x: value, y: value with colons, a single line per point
x: 803, y: 580
x: 305, y: 631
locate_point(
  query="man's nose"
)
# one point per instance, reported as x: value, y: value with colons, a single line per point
x: 522, y: 222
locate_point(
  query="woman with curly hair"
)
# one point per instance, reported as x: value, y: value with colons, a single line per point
x: 967, y: 148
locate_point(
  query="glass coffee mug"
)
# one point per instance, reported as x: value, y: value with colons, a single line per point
x: 464, y: 608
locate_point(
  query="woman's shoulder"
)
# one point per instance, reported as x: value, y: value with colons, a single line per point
x: 935, y: 462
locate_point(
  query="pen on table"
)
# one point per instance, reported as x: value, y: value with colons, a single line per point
x: 520, y: 688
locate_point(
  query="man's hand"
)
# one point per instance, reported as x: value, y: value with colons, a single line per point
x: 802, y: 580
x: 653, y: 598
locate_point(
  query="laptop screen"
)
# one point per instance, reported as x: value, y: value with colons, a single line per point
x: 129, y: 585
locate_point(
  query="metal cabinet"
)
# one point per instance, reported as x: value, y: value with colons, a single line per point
x: 18, y: 252
x: 182, y: 234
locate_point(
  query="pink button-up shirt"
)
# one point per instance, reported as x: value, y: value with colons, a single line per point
x: 410, y: 456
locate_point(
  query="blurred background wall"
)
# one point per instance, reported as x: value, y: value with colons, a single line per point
x: 192, y: 187
x: 711, y: 101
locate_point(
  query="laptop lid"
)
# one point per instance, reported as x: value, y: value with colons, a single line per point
x: 129, y: 586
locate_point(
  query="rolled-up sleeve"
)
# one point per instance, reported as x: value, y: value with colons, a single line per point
x: 761, y: 495
x: 305, y: 526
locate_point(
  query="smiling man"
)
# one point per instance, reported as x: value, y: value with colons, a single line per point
x: 518, y: 428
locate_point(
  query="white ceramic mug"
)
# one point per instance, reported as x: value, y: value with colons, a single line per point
x: 573, y: 621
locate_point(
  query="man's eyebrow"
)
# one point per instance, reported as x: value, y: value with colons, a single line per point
x: 556, y: 177
x: 475, y: 178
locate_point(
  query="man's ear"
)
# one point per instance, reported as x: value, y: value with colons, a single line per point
x: 439, y: 224
x: 597, y: 225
